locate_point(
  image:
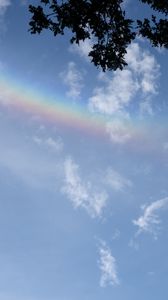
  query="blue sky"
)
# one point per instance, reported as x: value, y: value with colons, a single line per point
x: 82, y: 215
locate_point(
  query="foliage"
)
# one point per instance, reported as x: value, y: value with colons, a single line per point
x: 103, y: 21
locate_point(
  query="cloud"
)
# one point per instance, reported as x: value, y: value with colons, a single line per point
x: 24, y: 159
x: 150, y: 221
x: 116, y: 181
x: 144, y: 67
x: 107, y: 265
x: 73, y: 79
x: 116, y: 234
x: 119, y: 90
x: 55, y: 145
x: 4, y: 4
x: 146, y: 107
x: 31, y: 168
x: 82, y: 49
x: 133, y: 244
x: 116, y: 93
x: 82, y: 194
x: 118, y: 131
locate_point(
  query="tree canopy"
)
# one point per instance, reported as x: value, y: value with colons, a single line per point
x: 103, y: 21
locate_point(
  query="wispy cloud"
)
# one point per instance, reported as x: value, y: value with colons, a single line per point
x: 31, y: 168
x: 118, y: 131
x: 27, y: 159
x: 146, y: 71
x: 115, y: 93
x: 116, y: 180
x: 119, y: 90
x: 150, y: 220
x: 145, y: 68
x: 107, y: 265
x: 82, y: 49
x: 73, y: 79
x: 4, y: 4
x: 55, y: 145
x: 133, y: 244
x: 81, y: 193
x: 116, y: 234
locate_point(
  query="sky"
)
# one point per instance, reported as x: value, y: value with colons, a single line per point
x: 83, y: 168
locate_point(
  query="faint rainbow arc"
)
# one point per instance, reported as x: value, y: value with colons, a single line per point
x: 52, y: 110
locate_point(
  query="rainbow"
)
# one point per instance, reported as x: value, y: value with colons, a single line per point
x: 19, y: 96
x: 30, y: 101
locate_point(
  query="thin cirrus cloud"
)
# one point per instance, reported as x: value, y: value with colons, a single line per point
x: 73, y: 79
x: 116, y: 180
x: 149, y: 221
x: 107, y: 266
x: 55, y: 145
x: 81, y: 193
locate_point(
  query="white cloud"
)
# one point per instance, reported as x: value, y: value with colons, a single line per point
x: 82, y: 194
x: 145, y: 68
x: 37, y: 140
x: 146, y: 71
x: 55, y: 145
x: 107, y: 265
x: 116, y: 93
x: 116, y: 234
x: 82, y: 49
x: 133, y: 244
x: 150, y: 221
x: 73, y: 79
x: 116, y: 181
x: 146, y: 107
x: 118, y: 131
x: 4, y: 4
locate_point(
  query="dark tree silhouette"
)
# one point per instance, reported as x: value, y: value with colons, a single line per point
x: 105, y: 22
